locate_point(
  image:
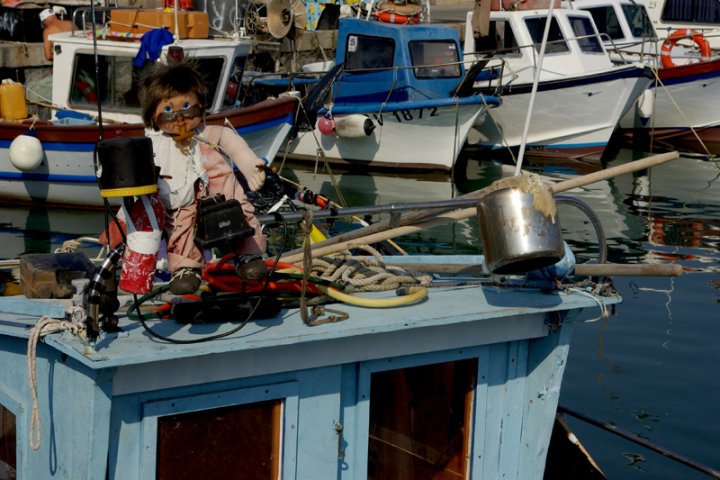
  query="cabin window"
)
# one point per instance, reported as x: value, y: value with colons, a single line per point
x: 117, y: 88
x: 637, y: 18
x: 362, y: 52
x: 607, y: 22
x: 504, y: 38
x: 435, y: 59
x: 420, y: 421
x: 586, y: 35
x: 236, y: 442
x: 212, y: 70
x: 556, y: 41
x: 8, y: 445
x: 691, y: 11
x: 233, y: 92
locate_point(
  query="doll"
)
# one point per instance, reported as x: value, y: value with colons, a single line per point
x: 192, y: 162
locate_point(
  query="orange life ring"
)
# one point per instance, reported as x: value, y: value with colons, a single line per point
x: 674, y: 37
x: 390, y: 12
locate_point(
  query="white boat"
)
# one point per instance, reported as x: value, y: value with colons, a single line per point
x: 581, y: 95
x: 66, y: 173
x: 391, y: 100
x: 669, y: 15
x: 675, y: 110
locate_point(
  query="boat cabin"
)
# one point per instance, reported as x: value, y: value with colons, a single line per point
x: 119, y: 51
x: 418, y: 61
x: 629, y: 33
x: 573, y: 46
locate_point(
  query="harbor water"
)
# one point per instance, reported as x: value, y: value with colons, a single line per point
x: 650, y: 368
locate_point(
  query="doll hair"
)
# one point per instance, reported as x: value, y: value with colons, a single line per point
x: 166, y: 81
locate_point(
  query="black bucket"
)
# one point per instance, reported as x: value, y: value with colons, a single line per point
x: 125, y: 167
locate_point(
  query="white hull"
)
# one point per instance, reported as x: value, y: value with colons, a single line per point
x: 571, y: 118
x: 67, y: 177
x: 682, y: 105
x: 425, y: 138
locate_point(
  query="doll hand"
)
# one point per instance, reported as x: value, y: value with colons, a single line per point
x: 254, y: 175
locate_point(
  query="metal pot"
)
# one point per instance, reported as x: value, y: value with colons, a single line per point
x: 516, y: 236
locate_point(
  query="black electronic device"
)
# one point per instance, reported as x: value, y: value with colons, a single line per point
x: 221, y: 223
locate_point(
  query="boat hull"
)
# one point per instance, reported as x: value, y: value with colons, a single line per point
x: 67, y: 175
x: 571, y: 118
x: 681, y: 105
x: 421, y: 136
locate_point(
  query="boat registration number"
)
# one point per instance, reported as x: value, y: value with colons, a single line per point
x: 408, y: 115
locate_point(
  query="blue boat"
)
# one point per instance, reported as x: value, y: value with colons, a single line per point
x: 465, y: 382
x: 392, y: 99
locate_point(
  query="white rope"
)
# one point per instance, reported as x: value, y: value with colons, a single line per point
x: 46, y: 326
x: 603, y: 308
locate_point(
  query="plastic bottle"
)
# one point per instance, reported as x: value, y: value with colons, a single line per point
x: 12, y: 100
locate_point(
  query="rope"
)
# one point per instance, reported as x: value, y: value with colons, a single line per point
x: 46, y: 326
x: 368, y: 274
x: 317, y: 310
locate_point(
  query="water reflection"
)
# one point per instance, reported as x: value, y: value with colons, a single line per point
x: 38, y: 229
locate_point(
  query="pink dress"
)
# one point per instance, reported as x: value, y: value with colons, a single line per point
x: 184, y: 175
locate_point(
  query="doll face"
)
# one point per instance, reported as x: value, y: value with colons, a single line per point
x: 179, y: 114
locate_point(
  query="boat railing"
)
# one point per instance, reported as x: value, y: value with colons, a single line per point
x: 84, y: 16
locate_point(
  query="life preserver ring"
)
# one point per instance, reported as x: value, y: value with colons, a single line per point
x: 391, y: 17
x: 674, y: 37
x: 407, y: 13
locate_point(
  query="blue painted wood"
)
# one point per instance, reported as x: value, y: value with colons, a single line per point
x: 99, y: 406
x: 38, y: 308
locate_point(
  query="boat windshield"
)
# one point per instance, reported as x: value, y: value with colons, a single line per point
x: 505, y: 41
x: 556, y: 41
x: 435, y: 59
x: 637, y: 18
x: 118, y: 81
x: 586, y: 35
x: 366, y: 52
x: 607, y: 21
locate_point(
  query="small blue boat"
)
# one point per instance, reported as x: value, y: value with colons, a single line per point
x: 392, y: 99
x: 463, y: 384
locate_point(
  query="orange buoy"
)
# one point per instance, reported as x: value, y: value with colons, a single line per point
x: 674, y: 37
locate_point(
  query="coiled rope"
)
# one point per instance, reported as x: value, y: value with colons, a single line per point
x: 46, y: 326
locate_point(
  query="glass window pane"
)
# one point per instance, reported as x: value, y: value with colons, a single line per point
x: 638, y: 20
x: 607, y: 21
x: 420, y: 421
x: 211, y: 69
x: 115, y: 89
x: 233, y: 443
x: 438, y: 58
x: 691, y: 11
x: 369, y: 52
x: 555, y: 43
x: 586, y: 34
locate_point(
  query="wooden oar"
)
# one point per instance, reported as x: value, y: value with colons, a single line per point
x: 581, y: 269
x: 416, y: 221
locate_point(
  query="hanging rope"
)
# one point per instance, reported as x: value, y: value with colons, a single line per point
x: 317, y: 310
x: 46, y: 326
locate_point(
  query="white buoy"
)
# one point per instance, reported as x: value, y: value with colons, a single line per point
x: 354, y: 126
x: 646, y: 104
x: 26, y: 153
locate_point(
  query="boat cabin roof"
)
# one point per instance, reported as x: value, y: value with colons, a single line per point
x: 419, y: 61
x: 574, y: 44
x: 222, y: 60
x: 621, y: 22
